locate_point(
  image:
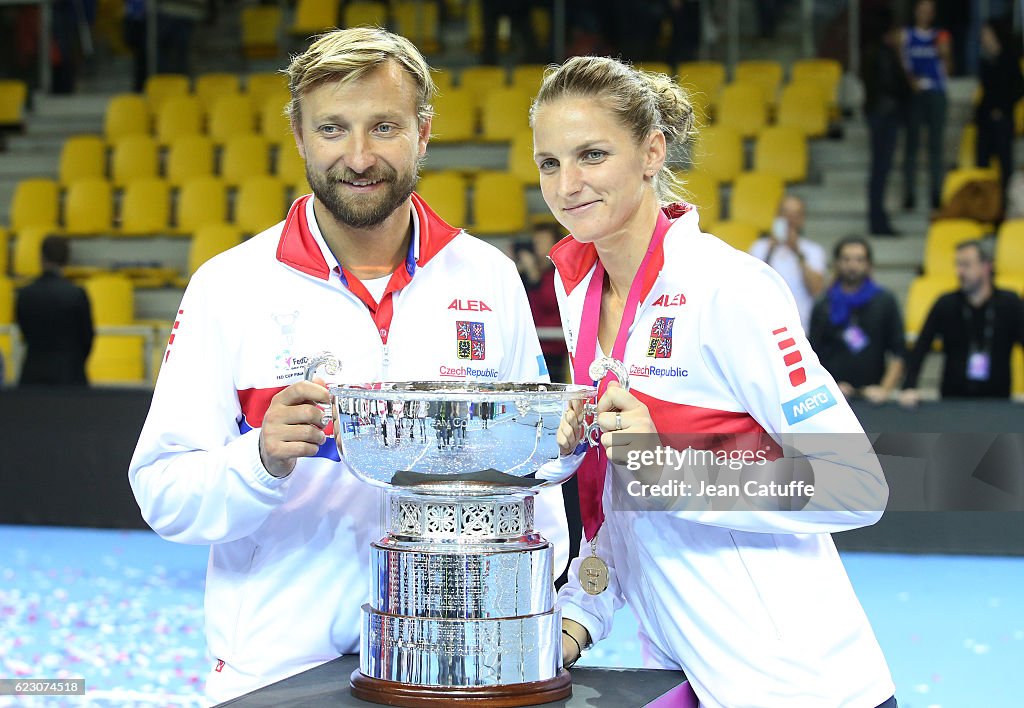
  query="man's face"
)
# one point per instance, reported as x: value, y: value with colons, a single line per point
x: 362, y: 144
x: 924, y: 13
x: 971, y: 270
x: 852, y: 265
x: 792, y: 210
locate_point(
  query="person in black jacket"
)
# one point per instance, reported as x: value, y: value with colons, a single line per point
x: 886, y: 99
x: 978, y: 325
x: 1002, y: 85
x: 55, y: 321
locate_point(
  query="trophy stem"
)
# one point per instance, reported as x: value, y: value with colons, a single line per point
x: 461, y: 607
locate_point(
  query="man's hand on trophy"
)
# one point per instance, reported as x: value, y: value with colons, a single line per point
x: 570, y: 430
x: 293, y: 426
x: 625, y: 422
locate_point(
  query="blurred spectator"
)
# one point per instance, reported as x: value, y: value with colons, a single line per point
x: 521, y: 25
x: 538, y: 276
x: 134, y: 29
x: 767, y: 17
x: 55, y: 321
x: 927, y: 56
x: 857, y: 329
x: 687, y: 23
x: 886, y: 96
x: 800, y: 262
x: 978, y: 325
x: 176, y: 21
x: 1002, y: 85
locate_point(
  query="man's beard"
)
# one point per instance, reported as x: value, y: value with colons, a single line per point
x: 854, y: 281
x: 363, y: 211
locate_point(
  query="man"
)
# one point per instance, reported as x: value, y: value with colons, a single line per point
x: 799, y: 261
x: 857, y: 329
x: 233, y: 453
x: 978, y: 325
x: 928, y: 60
x: 55, y: 320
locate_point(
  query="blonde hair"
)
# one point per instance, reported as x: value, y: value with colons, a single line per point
x: 643, y: 101
x: 348, y: 54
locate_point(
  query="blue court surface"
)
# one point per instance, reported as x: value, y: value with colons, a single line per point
x: 123, y: 610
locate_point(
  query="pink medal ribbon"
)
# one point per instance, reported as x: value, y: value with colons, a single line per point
x: 594, y: 467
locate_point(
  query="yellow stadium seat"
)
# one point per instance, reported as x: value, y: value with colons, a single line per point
x: 263, y: 84
x: 755, y: 199
x: 88, y: 208
x: 215, y: 85
x: 160, y: 87
x: 230, y: 116
x: 274, y: 124
x: 655, y: 67
x: 922, y: 294
x: 111, y: 298
x: 505, y: 113
x: 364, y: 14
x: 5, y: 251
x: 419, y: 21
x: 966, y: 156
x: 126, y: 114
x: 478, y: 80
x: 201, y: 200
x: 290, y: 167
x: 178, y: 115
x: 454, y: 116
x: 445, y: 192
x: 737, y: 234
x: 940, y: 244
x: 208, y: 241
x: 82, y: 156
x: 782, y: 151
x: 499, y: 204
x: 528, y: 77
x: 134, y: 157
x: 719, y: 152
x: 13, y: 97
x: 742, y: 106
x: 145, y: 207
x: 827, y: 73
x: 803, y: 106
x: 1009, y: 256
x: 444, y: 79
x: 36, y: 202
x: 955, y: 179
x: 313, y: 17
x: 520, y: 158
x: 703, y: 192
x: 261, y: 25
x: 242, y: 157
x: 765, y: 73
x: 259, y: 203
x: 189, y: 156
x: 27, y: 260
x: 7, y: 317
x: 116, y: 359
x: 703, y: 80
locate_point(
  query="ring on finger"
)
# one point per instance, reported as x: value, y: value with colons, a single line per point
x: 618, y: 421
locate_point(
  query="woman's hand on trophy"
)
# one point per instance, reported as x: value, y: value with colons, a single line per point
x: 619, y: 412
x: 575, y: 638
x: 293, y: 426
x: 570, y: 430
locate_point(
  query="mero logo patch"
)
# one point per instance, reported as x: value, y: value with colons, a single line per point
x: 660, y: 346
x: 810, y: 404
x: 470, y: 340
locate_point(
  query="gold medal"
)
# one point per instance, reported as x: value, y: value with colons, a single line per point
x: 593, y: 572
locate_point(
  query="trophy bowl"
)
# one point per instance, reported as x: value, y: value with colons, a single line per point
x: 461, y: 604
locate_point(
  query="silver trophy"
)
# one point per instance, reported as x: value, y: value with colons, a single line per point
x: 461, y: 597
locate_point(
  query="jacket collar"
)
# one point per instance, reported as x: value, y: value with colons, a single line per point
x: 574, y: 260
x: 298, y: 247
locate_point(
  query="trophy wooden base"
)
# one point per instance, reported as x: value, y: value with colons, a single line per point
x: 392, y: 693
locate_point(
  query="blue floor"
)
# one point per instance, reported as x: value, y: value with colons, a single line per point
x: 124, y: 611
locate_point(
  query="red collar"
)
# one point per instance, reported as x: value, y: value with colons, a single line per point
x: 298, y: 248
x: 573, y: 260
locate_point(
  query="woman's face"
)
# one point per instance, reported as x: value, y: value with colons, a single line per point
x: 593, y: 176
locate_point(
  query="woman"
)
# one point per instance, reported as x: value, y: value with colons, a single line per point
x: 749, y: 599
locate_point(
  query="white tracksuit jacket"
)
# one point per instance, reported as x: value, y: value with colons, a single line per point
x: 755, y: 606
x: 289, y: 558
